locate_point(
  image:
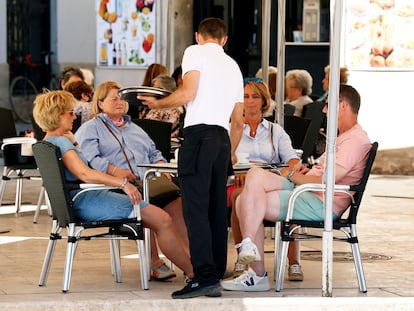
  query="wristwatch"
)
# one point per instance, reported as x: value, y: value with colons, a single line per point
x: 289, y: 176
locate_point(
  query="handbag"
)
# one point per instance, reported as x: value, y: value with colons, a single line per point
x: 161, y: 190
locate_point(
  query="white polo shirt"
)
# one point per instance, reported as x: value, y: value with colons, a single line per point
x: 220, y: 85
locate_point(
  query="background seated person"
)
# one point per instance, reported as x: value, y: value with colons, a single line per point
x: 298, y: 88
x: 271, y: 84
x: 83, y: 93
x: 100, y: 139
x: 343, y: 79
x: 53, y: 112
x: 265, y: 194
x: 153, y: 70
x: 264, y: 141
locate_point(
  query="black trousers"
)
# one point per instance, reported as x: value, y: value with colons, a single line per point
x: 202, y: 169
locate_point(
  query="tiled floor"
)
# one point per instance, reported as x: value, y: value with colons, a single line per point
x: 385, y: 224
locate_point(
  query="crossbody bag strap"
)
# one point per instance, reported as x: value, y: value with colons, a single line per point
x: 120, y: 144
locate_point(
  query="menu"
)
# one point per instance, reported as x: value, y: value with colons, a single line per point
x: 125, y: 33
x: 379, y: 33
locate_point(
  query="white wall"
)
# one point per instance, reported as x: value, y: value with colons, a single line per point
x: 387, y: 106
x: 76, y: 31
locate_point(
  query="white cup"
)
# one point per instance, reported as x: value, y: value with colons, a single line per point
x: 297, y: 36
x: 242, y: 157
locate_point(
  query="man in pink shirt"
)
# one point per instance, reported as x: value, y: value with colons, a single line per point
x: 265, y: 194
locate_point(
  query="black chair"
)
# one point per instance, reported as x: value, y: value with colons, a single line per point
x: 18, y: 164
x: 297, y: 129
x: 312, y: 111
x: 49, y: 161
x: 159, y: 132
x: 347, y: 224
x: 289, y: 109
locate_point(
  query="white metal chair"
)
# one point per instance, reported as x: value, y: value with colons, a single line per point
x: 284, y: 231
x: 50, y: 164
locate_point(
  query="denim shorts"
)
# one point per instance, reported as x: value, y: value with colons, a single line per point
x: 104, y: 205
x: 307, y: 204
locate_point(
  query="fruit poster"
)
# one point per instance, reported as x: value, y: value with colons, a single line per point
x: 126, y: 31
x: 379, y: 34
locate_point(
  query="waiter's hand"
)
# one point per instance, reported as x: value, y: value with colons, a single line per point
x: 149, y: 101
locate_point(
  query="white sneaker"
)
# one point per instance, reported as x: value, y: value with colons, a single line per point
x: 248, y: 252
x: 247, y: 282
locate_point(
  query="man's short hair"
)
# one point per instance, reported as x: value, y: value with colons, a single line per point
x: 212, y: 27
x: 351, y: 95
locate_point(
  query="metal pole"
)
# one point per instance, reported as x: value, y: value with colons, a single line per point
x: 266, y: 14
x: 280, y: 80
x: 327, y: 257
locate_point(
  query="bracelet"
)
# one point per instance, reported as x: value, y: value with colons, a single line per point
x: 290, y: 175
x: 75, y: 143
x: 124, y: 183
x: 113, y: 171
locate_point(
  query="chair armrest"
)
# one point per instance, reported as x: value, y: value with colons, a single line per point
x: 18, y: 141
x: 311, y: 187
x: 92, y: 187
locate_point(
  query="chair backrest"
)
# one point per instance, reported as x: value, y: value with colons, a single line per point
x: 13, y: 158
x: 159, y: 132
x: 360, y: 188
x: 312, y: 111
x: 296, y: 128
x: 289, y: 109
x: 49, y: 162
x: 7, y: 126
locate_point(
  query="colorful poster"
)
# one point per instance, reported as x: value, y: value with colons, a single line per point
x: 126, y: 33
x: 379, y: 33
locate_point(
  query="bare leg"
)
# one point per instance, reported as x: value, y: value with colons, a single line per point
x: 258, y: 201
x: 174, y: 209
x: 154, y: 249
x: 170, y: 244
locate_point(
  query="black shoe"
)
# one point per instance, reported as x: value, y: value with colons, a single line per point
x: 195, y: 288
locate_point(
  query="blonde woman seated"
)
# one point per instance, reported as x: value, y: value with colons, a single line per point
x: 264, y: 141
x: 101, y: 139
x: 54, y: 113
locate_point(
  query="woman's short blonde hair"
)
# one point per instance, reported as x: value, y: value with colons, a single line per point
x: 101, y: 93
x: 261, y: 89
x: 48, y: 107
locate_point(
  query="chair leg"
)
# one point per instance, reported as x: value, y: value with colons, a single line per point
x: 147, y: 250
x: 144, y: 264
x: 19, y: 189
x: 49, y: 253
x: 277, y: 250
x: 4, y: 179
x: 358, y: 262
x: 39, y: 204
x: 281, y: 266
x: 115, y: 259
x: 70, y: 252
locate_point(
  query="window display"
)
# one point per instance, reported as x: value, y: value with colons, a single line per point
x: 380, y: 33
x: 126, y: 32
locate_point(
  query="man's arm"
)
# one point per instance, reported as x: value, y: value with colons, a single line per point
x: 236, y: 129
x: 298, y: 178
x: 183, y: 95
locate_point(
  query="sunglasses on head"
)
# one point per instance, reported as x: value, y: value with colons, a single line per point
x: 255, y: 80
